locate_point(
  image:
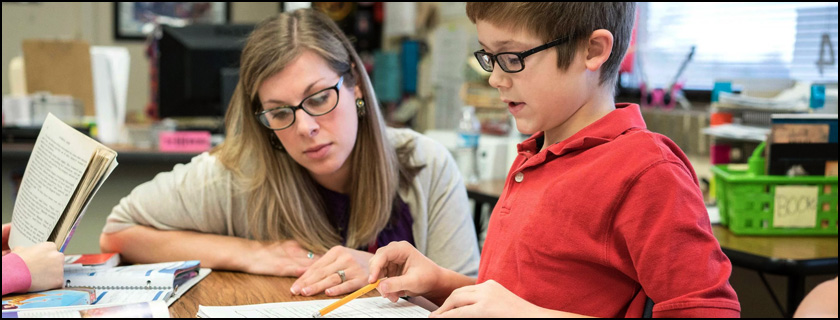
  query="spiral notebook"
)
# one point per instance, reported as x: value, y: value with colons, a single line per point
x: 165, y: 281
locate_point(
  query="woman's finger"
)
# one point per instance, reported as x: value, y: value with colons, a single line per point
x: 317, y: 272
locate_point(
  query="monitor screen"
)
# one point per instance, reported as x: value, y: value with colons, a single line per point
x: 196, y: 65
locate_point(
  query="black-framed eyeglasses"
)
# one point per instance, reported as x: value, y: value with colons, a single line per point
x: 511, y: 62
x: 316, y: 104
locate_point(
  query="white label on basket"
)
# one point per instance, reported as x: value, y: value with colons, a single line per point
x: 795, y: 207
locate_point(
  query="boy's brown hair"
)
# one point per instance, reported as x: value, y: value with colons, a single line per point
x: 553, y: 20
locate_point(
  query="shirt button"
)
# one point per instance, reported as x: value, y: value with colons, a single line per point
x: 519, y: 176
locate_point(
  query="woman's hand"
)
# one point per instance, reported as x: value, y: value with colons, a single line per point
x: 487, y: 300
x: 408, y: 271
x: 322, y: 276
x: 45, y: 263
x: 282, y: 258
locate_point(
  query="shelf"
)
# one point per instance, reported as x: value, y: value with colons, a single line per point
x: 742, y: 108
x: 738, y: 132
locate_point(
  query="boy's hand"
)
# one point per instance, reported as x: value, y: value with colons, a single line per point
x: 409, y: 272
x: 322, y: 276
x: 45, y: 263
x: 487, y: 300
x: 282, y: 258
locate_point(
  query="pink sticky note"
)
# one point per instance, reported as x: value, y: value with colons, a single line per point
x: 184, y: 141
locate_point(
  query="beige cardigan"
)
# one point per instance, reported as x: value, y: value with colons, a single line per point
x: 200, y: 196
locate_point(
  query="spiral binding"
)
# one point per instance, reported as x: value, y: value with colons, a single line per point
x: 68, y: 284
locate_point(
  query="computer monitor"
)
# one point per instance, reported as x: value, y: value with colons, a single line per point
x: 193, y: 62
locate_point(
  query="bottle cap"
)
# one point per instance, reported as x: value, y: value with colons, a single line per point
x: 720, y: 87
x: 817, y: 100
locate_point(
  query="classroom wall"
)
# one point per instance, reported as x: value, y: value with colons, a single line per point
x: 94, y: 23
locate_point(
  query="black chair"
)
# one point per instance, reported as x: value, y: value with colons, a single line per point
x: 648, y: 312
x: 481, y: 201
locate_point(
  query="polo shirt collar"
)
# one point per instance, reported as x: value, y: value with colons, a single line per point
x: 626, y: 116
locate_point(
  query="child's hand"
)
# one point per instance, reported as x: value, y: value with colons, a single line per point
x: 322, y: 276
x: 7, y: 227
x: 45, y: 263
x: 487, y: 300
x: 409, y: 272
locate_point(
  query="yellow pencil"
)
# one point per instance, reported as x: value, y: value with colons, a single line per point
x: 346, y: 299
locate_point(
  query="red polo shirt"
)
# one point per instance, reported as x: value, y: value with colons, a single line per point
x: 598, y: 222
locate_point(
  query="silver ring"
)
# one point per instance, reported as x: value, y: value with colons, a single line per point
x: 341, y: 274
x: 310, y: 255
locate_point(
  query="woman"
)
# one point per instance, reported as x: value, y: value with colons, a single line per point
x: 308, y: 183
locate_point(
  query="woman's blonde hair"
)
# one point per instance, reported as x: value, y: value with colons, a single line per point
x: 283, y: 200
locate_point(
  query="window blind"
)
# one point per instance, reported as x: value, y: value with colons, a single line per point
x: 735, y: 41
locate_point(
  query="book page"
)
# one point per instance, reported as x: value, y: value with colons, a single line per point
x: 374, y: 307
x: 58, y: 161
x: 100, y: 167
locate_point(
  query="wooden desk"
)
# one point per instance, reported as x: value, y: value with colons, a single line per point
x: 226, y: 288
x: 794, y: 257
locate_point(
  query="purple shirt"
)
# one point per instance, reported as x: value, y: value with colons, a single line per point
x: 397, y: 229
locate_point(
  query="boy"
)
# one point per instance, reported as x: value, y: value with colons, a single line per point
x: 597, y: 213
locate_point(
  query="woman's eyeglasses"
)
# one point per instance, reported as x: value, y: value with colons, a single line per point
x: 317, y: 104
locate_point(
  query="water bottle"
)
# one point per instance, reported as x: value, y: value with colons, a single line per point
x: 469, y: 129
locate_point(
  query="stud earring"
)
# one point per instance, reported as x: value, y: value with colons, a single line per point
x: 360, y: 107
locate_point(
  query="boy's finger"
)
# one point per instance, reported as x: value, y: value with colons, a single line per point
x: 454, y: 303
x: 393, y: 253
x: 378, y: 262
x: 394, y: 285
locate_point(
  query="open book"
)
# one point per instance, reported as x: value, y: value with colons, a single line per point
x: 165, y: 281
x: 64, y: 171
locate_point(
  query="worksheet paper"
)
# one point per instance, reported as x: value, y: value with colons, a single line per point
x: 375, y: 307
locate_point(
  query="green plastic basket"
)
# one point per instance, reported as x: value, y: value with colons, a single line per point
x: 746, y: 201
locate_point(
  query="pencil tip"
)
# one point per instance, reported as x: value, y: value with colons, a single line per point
x: 317, y: 314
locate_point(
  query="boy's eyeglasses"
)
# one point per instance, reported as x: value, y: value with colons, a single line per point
x: 511, y: 62
x: 317, y: 104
